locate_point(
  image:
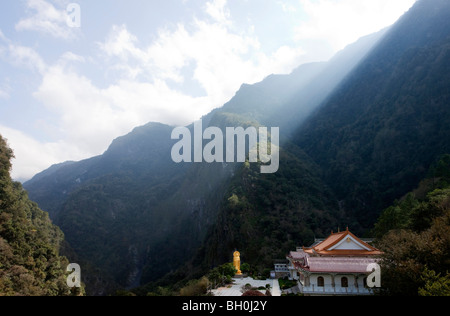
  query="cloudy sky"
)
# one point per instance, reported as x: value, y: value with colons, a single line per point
x: 66, y: 92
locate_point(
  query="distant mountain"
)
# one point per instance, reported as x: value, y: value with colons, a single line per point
x: 357, y: 132
x: 366, y: 144
x: 286, y: 101
x: 135, y: 215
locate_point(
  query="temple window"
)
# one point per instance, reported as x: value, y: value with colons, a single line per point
x: 320, y: 282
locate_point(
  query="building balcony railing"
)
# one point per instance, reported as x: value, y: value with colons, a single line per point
x: 330, y: 290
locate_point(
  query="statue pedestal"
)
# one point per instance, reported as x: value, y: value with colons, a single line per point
x: 240, y: 276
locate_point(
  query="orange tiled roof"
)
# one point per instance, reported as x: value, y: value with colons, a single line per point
x: 326, y: 247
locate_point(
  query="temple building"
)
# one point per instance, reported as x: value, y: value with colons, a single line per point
x: 337, y: 265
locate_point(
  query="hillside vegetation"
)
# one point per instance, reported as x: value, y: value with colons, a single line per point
x: 414, y: 233
x: 30, y: 264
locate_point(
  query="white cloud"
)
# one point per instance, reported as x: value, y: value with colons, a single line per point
x: 342, y: 22
x: 5, y: 89
x: 218, y: 11
x: 21, y: 56
x: 3, y: 94
x: 120, y: 43
x: 287, y: 7
x: 46, y: 18
x: 90, y: 117
x: 3, y: 37
x: 24, y: 56
x: 284, y: 60
x: 32, y: 156
x: 222, y: 59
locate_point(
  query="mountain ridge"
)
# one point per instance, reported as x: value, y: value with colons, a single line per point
x: 350, y: 134
x: 136, y: 216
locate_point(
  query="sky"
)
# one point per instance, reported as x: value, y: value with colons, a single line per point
x: 74, y: 78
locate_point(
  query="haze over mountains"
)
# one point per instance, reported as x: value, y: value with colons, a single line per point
x: 357, y: 133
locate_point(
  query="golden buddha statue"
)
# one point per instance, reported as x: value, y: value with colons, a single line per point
x: 237, y: 262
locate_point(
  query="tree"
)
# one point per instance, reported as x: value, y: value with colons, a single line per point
x: 416, y: 260
x: 435, y: 284
x: 222, y: 274
x: 30, y: 264
x: 245, y: 268
x: 195, y: 288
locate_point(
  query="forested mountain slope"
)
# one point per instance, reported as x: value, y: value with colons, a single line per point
x: 30, y: 264
x: 377, y: 135
x: 132, y: 215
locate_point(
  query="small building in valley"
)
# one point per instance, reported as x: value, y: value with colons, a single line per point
x: 281, y: 269
x: 337, y: 265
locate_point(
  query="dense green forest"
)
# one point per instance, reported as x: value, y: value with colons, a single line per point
x: 30, y: 264
x: 370, y: 143
x: 414, y: 234
x: 265, y: 215
x: 379, y: 132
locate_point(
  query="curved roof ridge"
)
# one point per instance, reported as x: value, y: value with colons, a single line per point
x: 334, y: 239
